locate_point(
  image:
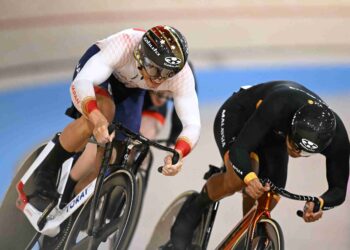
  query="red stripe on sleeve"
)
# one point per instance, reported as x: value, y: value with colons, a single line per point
x: 183, y: 146
x: 90, y: 106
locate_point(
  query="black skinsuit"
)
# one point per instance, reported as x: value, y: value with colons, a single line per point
x: 259, y: 118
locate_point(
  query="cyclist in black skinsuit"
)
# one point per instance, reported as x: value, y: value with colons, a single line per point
x: 255, y: 130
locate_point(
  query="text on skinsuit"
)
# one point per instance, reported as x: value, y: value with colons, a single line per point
x: 75, y: 95
x: 237, y: 170
x: 222, y: 131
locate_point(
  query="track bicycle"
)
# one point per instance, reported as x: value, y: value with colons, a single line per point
x: 256, y: 230
x: 102, y: 212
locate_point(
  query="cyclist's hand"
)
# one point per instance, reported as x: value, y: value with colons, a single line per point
x: 169, y: 169
x: 100, y: 130
x: 309, y: 215
x: 255, y: 189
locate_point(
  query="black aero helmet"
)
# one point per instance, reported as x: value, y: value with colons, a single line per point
x: 163, y: 49
x: 313, y: 127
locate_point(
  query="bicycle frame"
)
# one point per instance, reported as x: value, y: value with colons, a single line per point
x: 261, y: 209
x: 57, y: 215
x: 48, y: 222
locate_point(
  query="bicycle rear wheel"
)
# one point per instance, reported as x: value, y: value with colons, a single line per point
x: 161, y: 233
x: 14, y: 224
x: 115, y: 208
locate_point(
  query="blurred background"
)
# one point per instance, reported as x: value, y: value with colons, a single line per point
x: 232, y: 43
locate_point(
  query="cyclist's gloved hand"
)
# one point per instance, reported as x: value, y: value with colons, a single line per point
x: 255, y: 189
x: 309, y: 214
x: 100, y: 130
x: 169, y: 169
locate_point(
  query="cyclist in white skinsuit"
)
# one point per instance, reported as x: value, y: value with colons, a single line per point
x: 126, y: 63
x: 154, y: 113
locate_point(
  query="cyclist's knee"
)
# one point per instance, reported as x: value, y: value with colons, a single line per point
x: 232, y: 183
x: 150, y: 127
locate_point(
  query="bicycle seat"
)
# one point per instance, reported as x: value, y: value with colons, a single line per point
x: 213, y: 170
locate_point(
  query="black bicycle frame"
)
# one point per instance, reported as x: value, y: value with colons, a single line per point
x: 117, y: 127
x: 212, y: 212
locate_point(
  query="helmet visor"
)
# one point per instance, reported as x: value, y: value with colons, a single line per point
x: 155, y: 72
x: 297, y: 148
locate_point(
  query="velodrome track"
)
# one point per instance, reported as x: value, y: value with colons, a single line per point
x: 232, y: 43
x: 32, y: 115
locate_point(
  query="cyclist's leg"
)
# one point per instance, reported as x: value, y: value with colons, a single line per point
x: 84, y: 170
x: 226, y: 127
x: 228, y: 122
x: 91, y: 153
x: 151, y: 124
x: 73, y: 138
x: 127, y: 102
x: 64, y: 147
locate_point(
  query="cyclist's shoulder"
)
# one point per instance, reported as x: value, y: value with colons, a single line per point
x: 285, y: 95
x: 283, y: 88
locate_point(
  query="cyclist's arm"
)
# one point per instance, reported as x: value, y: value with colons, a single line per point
x: 186, y: 106
x: 337, y: 161
x: 176, y: 125
x: 95, y: 71
x: 252, y: 134
x: 113, y: 53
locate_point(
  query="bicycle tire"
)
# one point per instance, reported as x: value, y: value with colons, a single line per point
x: 273, y: 234
x: 161, y: 232
x: 14, y: 224
x: 120, y: 188
x: 133, y: 221
x: 198, y: 239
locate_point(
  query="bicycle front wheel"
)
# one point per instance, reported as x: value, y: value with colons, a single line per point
x: 115, y: 208
x: 161, y: 233
x: 267, y: 236
x: 130, y: 230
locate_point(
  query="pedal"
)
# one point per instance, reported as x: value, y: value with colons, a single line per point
x: 43, y: 218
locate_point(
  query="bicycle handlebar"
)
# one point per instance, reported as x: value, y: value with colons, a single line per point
x: 292, y: 196
x: 137, y: 137
x: 108, y: 151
